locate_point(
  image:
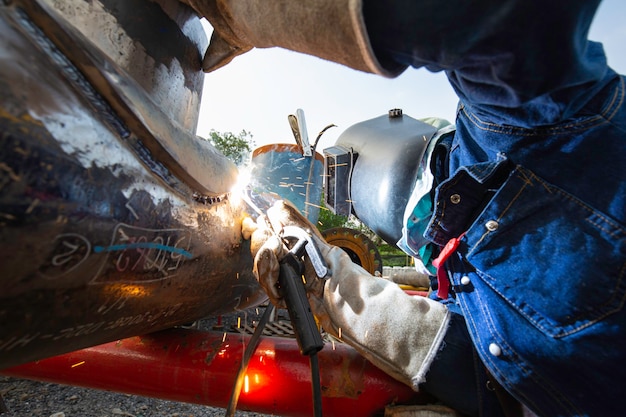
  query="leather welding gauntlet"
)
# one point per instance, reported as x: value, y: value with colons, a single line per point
x: 329, y: 29
x: 398, y: 333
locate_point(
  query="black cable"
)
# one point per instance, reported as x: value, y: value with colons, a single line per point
x: 316, y: 385
x: 252, y: 345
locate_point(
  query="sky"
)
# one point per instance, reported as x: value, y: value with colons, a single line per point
x: 259, y: 89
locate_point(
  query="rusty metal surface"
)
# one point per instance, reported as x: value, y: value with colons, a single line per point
x: 98, y: 241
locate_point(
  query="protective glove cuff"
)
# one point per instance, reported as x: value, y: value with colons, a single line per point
x: 329, y: 29
x: 400, y: 334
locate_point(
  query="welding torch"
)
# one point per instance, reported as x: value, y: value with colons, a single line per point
x: 293, y: 291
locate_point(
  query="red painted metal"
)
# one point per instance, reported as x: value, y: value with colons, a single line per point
x: 201, y: 367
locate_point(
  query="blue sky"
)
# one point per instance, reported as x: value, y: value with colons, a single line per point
x: 258, y: 90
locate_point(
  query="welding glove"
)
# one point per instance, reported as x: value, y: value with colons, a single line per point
x: 329, y: 29
x: 398, y: 333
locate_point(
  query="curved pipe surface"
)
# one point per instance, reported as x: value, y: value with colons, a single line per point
x: 99, y: 240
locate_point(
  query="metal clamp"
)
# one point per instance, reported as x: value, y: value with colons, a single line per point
x: 312, y: 251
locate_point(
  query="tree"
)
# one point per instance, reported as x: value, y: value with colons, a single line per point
x: 237, y: 148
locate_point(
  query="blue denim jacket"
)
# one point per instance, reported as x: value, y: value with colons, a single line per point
x: 538, y: 186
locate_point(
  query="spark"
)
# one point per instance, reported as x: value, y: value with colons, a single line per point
x: 246, y: 384
x: 239, y: 322
x: 339, y: 332
x: 10, y: 172
x: 332, y: 342
x: 224, y: 337
x: 32, y: 206
x: 78, y: 364
x: 314, y: 205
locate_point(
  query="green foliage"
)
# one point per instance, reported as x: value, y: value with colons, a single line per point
x: 328, y: 220
x: 393, y: 256
x: 237, y: 148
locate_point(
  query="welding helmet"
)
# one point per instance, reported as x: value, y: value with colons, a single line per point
x: 374, y: 168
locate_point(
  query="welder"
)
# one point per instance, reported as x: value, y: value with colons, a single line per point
x: 527, y: 210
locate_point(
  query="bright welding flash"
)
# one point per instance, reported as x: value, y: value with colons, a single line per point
x: 238, y: 191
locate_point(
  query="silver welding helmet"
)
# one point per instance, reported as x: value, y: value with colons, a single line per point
x: 372, y: 169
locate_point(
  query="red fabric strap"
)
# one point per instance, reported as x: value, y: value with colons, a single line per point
x: 443, y: 283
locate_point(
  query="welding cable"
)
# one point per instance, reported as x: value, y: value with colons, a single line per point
x: 311, y: 168
x: 317, y: 385
x: 252, y: 345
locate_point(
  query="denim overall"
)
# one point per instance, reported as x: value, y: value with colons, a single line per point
x: 536, y: 194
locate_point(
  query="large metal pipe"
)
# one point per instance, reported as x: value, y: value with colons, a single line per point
x: 200, y: 367
x: 102, y: 235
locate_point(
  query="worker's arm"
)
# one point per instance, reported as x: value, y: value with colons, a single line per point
x: 329, y: 29
x: 399, y: 333
x: 497, y: 54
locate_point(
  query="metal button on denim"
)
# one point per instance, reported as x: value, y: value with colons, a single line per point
x: 455, y: 198
x: 465, y: 280
x: 495, y: 350
x: 492, y: 225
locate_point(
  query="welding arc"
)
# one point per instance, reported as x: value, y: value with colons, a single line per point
x: 247, y: 355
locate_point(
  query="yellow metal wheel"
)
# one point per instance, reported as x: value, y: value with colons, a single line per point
x: 358, y: 246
